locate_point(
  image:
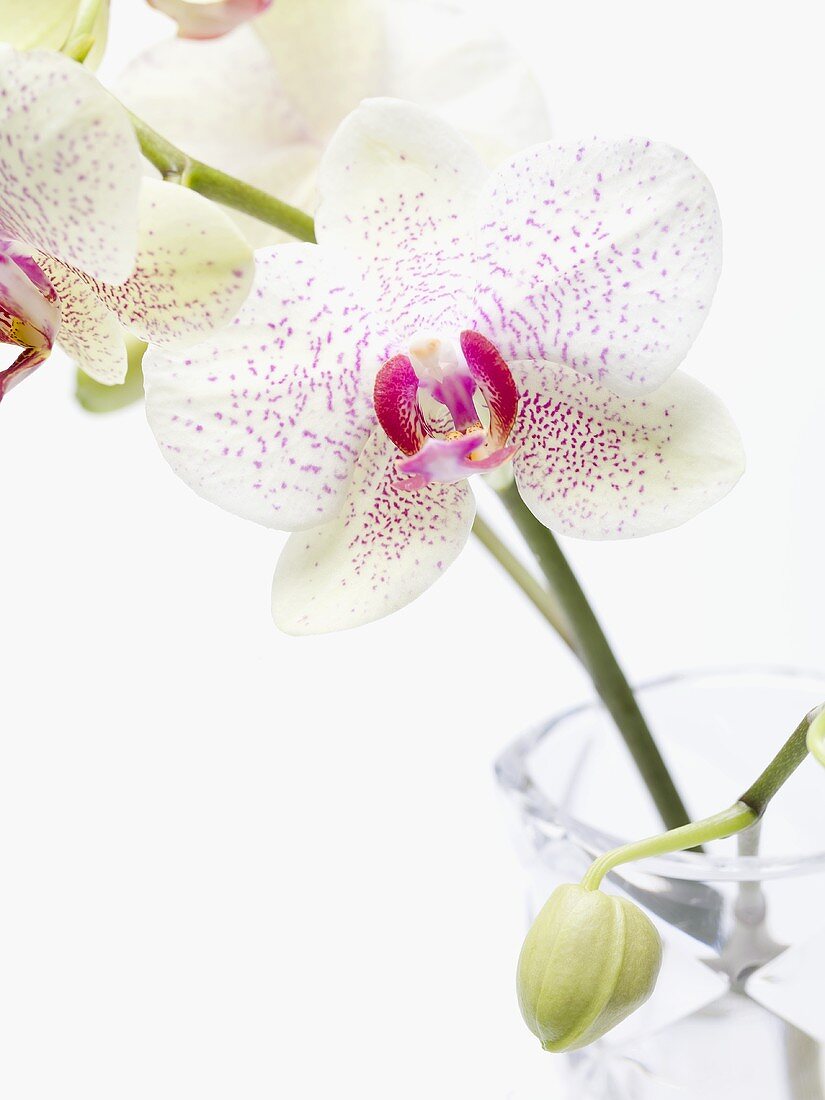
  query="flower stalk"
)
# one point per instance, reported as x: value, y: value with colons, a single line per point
x: 746, y: 811
x: 544, y: 601
x: 600, y: 661
x: 178, y: 167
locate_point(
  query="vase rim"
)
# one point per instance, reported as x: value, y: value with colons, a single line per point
x: 513, y: 775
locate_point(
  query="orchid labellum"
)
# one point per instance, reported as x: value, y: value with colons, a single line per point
x: 449, y: 320
x: 88, y: 246
x: 262, y: 102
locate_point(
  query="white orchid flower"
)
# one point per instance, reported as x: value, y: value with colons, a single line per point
x: 450, y: 320
x: 262, y: 102
x: 209, y: 18
x: 89, y: 246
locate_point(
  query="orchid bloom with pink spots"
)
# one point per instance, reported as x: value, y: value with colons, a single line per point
x: 89, y: 247
x: 210, y: 18
x: 262, y: 102
x: 448, y: 321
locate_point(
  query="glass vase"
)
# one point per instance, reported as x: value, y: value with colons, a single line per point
x: 739, y: 1010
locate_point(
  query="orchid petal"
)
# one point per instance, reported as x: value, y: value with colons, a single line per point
x: 223, y: 103
x: 97, y: 398
x: 397, y: 186
x: 268, y: 416
x: 45, y: 24
x: 385, y: 549
x: 193, y: 272
x: 220, y: 100
x: 449, y: 62
x: 602, y: 256
x: 395, y: 396
x: 598, y: 466
x: 88, y: 333
x: 205, y: 19
x: 329, y: 56
x: 70, y: 165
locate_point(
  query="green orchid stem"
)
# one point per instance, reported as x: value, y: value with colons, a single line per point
x: 178, y: 167
x: 80, y: 39
x: 783, y: 765
x: 541, y: 599
x: 730, y: 821
x: 746, y: 811
x: 600, y: 661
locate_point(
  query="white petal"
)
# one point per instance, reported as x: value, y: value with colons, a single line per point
x: 193, y: 272
x: 268, y: 416
x: 385, y: 549
x: 329, y: 55
x: 397, y: 190
x: 70, y: 165
x: 220, y: 100
x: 449, y: 62
x: 223, y: 103
x: 89, y: 332
x: 603, y: 256
x: 598, y: 466
x: 27, y: 24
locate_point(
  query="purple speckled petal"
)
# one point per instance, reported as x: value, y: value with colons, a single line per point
x: 69, y: 164
x: 599, y: 466
x: 194, y: 269
x: 89, y: 332
x: 267, y: 417
x: 385, y: 549
x: 397, y: 191
x: 210, y: 18
x: 603, y: 256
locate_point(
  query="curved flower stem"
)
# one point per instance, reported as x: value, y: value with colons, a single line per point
x: 80, y: 39
x: 178, y: 167
x: 541, y: 599
x: 600, y: 661
x: 746, y: 811
x: 730, y: 821
x: 784, y: 764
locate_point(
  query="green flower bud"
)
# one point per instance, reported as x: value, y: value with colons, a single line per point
x: 589, y: 960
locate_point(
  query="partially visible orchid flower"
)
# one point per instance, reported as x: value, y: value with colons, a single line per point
x: 262, y: 102
x: 45, y: 24
x: 210, y: 18
x: 89, y: 246
x: 448, y: 321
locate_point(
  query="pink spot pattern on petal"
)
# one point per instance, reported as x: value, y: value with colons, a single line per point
x: 70, y: 167
x: 596, y: 465
x: 385, y: 549
x: 267, y: 417
x: 409, y: 219
x: 602, y: 256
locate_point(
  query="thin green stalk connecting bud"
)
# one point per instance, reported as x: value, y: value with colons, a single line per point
x: 178, y: 167
x: 717, y: 827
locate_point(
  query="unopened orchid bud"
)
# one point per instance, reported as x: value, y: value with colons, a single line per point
x: 589, y: 960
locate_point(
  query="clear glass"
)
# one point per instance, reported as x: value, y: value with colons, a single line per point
x: 739, y: 1010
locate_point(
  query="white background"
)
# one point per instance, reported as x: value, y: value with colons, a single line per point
x: 236, y: 864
